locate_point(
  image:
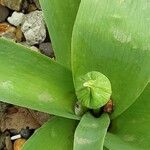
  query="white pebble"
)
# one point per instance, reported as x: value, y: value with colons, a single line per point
x: 15, y: 137
x: 16, y: 19
x: 33, y: 28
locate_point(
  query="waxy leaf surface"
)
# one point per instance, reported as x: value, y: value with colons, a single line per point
x: 90, y: 132
x: 133, y: 125
x: 113, y: 37
x: 113, y: 142
x: 60, y: 16
x: 32, y: 80
x: 56, y: 134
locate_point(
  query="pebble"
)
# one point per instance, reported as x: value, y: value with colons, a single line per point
x: 12, y: 4
x: 4, y: 12
x: 8, y: 31
x: 34, y: 48
x: 33, y: 28
x: 18, y: 136
x: 19, y: 34
x: 18, y: 144
x: 37, y: 3
x: 5, y: 141
x: 13, y: 132
x: 8, y: 143
x: 25, y: 133
x: 32, y: 7
x: 16, y: 18
x: 25, y: 6
x: 46, y: 48
x: 2, y: 141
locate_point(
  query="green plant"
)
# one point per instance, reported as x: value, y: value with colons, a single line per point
x: 109, y: 37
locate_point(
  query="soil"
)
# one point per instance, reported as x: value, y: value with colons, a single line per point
x: 14, y: 119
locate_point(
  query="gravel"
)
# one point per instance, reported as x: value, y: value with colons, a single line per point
x: 4, y: 12
x: 12, y: 4
x: 16, y: 19
x: 46, y: 48
x: 33, y: 28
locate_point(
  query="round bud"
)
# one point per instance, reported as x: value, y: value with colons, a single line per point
x: 93, y: 90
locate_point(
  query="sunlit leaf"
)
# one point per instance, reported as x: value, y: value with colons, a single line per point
x: 59, y: 16
x: 32, y: 80
x: 56, y: 134
x: 113, y: 37
x: 133, y: 125
x: 90, y: 132
x: 112, y: 142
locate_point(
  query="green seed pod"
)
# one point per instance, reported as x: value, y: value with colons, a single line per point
x: 93, y: 90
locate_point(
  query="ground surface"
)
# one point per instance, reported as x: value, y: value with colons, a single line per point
x: 14, y: 17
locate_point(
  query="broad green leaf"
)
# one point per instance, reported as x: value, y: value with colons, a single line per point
x: 112, y: 142
x: 56, y: 134
x: 32, y: 80
x: 59, y: 16
x: 133, y: 125
x: 113, y: 37
x: 90, y: 132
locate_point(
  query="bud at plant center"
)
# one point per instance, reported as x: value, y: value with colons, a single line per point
x: 93, y: 90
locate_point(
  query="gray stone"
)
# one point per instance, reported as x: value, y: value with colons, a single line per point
x: 33, y: 28
x: 25, y: 6
x: 4, y: 12
x: 12, y: 4
x: 16, y: 19
x: 37, y: 3
x: 46, y: 48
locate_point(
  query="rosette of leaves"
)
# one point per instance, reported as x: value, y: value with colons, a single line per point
x: 110, y: 38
